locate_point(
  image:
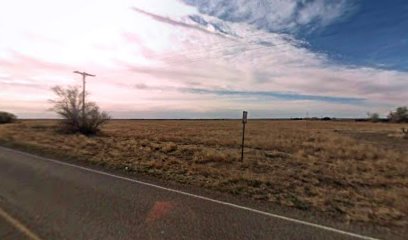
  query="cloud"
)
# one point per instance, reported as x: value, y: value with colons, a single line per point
x: 258, y: 95
x: 173, y: 73
x: 169, y: 63
x: 17, y: 62
x: 176, y: 23
x: 21, y: 71
x: 253, y: 68
x: 277, y: 15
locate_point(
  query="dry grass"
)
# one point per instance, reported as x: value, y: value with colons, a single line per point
x: 356, y: 172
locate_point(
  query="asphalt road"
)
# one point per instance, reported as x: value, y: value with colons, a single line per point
x: 47, y: 199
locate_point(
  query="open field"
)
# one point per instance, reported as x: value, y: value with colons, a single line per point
x: 354, y: 172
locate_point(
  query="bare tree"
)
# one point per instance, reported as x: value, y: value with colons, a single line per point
x: 69, y: 105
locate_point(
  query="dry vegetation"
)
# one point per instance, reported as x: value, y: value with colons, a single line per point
x: 357, y: 172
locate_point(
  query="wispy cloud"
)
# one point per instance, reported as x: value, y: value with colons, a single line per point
x: 280, y: 66
x: 17, y: 59
x: 170, y: 21
x: 259, y: 95
x: 167, y: 63
x: 277, y: 15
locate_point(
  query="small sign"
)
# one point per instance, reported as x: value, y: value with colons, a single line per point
x: 245, y: 117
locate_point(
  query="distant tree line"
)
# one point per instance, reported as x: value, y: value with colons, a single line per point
x: 315, y: 119
x: 400, y: 115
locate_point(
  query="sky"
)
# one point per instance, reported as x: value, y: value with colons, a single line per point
x: 207, y: 58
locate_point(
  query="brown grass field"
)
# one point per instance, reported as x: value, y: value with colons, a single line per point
x: 353, y: 172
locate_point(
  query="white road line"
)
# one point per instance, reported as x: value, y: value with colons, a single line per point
x: 331, y: 229
x: 19, y: 226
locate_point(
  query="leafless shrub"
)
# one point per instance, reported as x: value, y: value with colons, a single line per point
x: 69, y: 104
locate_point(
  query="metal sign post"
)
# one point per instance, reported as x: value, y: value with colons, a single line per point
x: 244, y: 121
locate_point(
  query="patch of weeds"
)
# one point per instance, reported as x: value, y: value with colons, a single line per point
x: 297, y: 203
x: 169, y: 147
x: 276, y: 155
x: 254, y: 183
x: 237, y: 190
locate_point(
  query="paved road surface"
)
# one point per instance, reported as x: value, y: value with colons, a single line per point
x: 56, y: 200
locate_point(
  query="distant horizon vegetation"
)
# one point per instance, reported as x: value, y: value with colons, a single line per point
x: 325, y: 118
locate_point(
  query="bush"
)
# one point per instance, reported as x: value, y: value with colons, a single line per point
x: 69, y: 107
x: 6, y: 117
x: 373, y: 117
x: 399, y: 116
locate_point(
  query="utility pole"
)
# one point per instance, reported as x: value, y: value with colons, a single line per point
x: 84, y: 75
